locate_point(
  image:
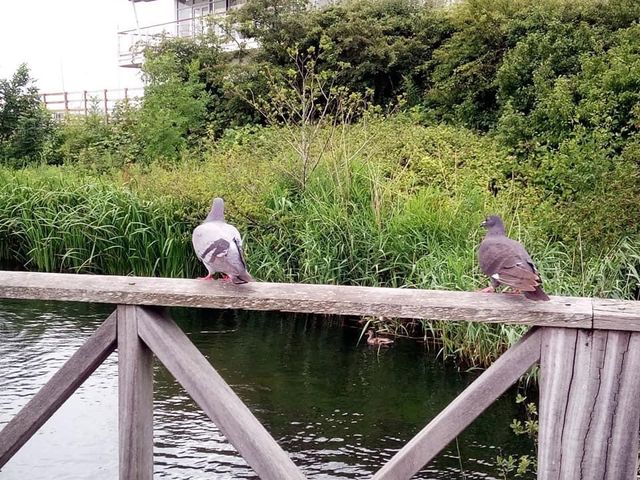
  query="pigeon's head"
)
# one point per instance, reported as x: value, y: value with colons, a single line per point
x: 493, y: 224
x: 217, y: 210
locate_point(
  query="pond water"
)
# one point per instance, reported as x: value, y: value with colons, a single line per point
x: 340, y: 409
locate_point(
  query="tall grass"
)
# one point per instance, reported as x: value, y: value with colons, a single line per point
x: 401, y: 211
x: 66, y: 225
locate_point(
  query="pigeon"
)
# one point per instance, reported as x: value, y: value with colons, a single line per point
x: 219, y: 246
x: 505, y: 261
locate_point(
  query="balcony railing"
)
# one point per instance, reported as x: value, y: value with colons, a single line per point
x: 131, y: 43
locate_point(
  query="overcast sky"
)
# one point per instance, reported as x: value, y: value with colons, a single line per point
x: 72, y: 44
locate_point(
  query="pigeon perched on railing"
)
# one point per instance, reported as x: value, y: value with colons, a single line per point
x: 219, y: 246
x: 505, y: 261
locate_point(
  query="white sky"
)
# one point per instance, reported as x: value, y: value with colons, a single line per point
x: 72, y: 45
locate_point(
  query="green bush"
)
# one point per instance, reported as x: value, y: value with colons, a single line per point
x: 375, y: 45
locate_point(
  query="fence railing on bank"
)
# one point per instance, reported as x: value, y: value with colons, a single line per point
x: 85, y: 102
x: 588, y: 350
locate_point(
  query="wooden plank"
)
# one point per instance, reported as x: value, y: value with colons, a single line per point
x: 589, y: 405
x: 449, y: 423
x: 616, y: 314
x: 558, y: 349
x: 58, y: 389
x: 323, y: 299
x: 623, y: 439
x: 215, y: 397
x: 135, y: 399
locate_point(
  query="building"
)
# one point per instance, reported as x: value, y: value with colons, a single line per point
x: 191, y: 17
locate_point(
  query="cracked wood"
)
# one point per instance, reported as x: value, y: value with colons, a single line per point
x: 589, y: 405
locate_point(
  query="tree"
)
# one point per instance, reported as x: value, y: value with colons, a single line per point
x: 25, y: 124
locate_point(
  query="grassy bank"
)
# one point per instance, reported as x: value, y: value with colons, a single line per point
x: 391, y: 203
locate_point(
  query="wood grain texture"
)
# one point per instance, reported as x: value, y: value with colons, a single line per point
x: 464, y: 409
x: 215, y: 397
x: 324, y: 299
x: 616, y: 314
x: 135, y: 399
x: 589, y: 405
x: 58, y: 389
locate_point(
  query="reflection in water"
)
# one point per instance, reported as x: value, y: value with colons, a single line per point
x: 340, y: 409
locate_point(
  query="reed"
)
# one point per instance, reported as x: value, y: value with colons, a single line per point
x: 395, y: 212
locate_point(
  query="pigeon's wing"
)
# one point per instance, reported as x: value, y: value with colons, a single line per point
x: 236, y: 260
x: 506, y: 261
x: 238, y: 244
x: 209, y: 242
x: 240, y: 264
x: 518, y: 275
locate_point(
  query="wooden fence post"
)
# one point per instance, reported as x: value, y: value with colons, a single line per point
x: 589, y: 405
x: 135, y: 399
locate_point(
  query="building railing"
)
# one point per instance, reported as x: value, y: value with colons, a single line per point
x: 132, y: 42
x: 588, y: 350
x: 88, y: 102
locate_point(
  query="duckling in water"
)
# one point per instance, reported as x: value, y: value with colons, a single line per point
x: 371, y: 340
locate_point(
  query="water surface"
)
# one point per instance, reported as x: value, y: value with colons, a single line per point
x: 340, y: 409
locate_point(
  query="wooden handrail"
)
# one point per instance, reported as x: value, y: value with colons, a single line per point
x: 589, y: 385
x: 572, y: 312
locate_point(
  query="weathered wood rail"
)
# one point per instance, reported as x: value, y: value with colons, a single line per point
x: 588, y: 350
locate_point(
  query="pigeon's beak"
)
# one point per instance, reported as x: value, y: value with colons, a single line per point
x: 483, y: 224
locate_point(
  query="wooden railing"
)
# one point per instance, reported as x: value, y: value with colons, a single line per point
x: 588, y: 351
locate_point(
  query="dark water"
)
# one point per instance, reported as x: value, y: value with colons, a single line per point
x: 340, y: 409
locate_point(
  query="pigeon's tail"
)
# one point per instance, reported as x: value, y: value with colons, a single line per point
x: 244, y: 277
x: 537, y: 294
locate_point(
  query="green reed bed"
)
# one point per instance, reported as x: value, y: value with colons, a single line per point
x: 90, y: 227
x: 402, y: 210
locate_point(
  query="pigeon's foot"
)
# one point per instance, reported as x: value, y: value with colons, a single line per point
x: 487, y: 290
x: 225, y: 278
x: 208, y: 277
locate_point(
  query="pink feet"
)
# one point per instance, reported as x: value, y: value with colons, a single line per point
x: 225, y: 278
x: 487, y: 290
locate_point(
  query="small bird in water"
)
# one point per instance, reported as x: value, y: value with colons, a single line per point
x: 371, y: 340
x: 219, y: 246
x: 505, y: 261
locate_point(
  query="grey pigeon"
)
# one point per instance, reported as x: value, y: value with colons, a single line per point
x: 505, y: 261
x: 219, y: 246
